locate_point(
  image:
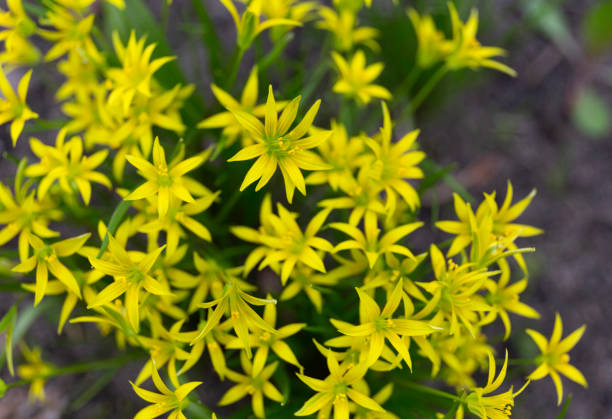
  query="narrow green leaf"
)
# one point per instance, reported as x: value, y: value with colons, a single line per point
x: 210, y: 39
x: 430, y: 166
x: 113, y: 224
x: 22, y: 324
x: 8, y: 318
x: 563, y: 411
x: 7, y: 324
x: 273, y: 55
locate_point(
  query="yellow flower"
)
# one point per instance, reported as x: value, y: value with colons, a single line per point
x: 343, y: 25
x: 248, y: 103
x: 46, y: 258
x: 23, y: 214
x: 492, y: 407
x: 304, y: 279
x: 66, y: 164
x: 163, y: 179
x: 209, y: 279
x: 165, y: 400
x: 370, y: 244
x: 241, y: 315
x: 13, y: 107
x: 336, y: 390
x: 265, y: 340
x: 355, y: 79
x: 467, y: 51
x: 71, y: 34
x: 178, y: 217
x: 503, y: 298
x: 554, y: 358
x: 381, y: 397
x: 130, y: 271
x: 17, y: 48
x: 276, y: 145
x: 81, y: 79
x: 362, y: 195
x: 489, y: 213
x: 17, y: 20
x: 432, y: 45
x: 249, y: 26
x: 288, y: 244
x: 136, y: 73
x: 394, y: 163
x: 341, y: 153
x: 455, y: 291
x: 57, y: 287
x: 295, y: 10
x: 18, y: 51
x: 378, y: 326
x: 256, y: 383
x: 166, y: 347
x: 35, y: 370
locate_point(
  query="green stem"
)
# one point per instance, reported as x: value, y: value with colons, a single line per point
x: 165, y: 16
x: 427, y: 390
x: 210, y: 39
x: 430, y: 166
x: 427, y: 88
x: 273, y: 55
x: 408, y: 82
x: 10, y: 157
x: 113, y: 224
x: 235, y: 66
x: 518, y: 361
x: 197, y: 410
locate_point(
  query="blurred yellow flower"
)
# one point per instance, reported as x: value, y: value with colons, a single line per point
x: 355, y: 79
x: 136, y: 73
x: 249, y: 25
x: 36, y: 370
x: 467, y: 51
x: 343, y: 25
x: 13, y: 107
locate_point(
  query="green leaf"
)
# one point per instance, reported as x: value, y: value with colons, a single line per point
x: 2, y: 388
x: 22, y: 324
x: 113, y: 224
x: 547, y: 17
x: 591, y: 114
x: 138, y: 17
x: 8, y: 318
x: 7, y: 324
x: 246, y: 35
x: 210, y: 39
x: 563, y: 411
x: 597, y: 26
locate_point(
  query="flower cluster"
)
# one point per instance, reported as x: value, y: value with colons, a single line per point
x: 179, y: 273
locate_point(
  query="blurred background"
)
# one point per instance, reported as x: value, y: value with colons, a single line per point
x: 549, y: 128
